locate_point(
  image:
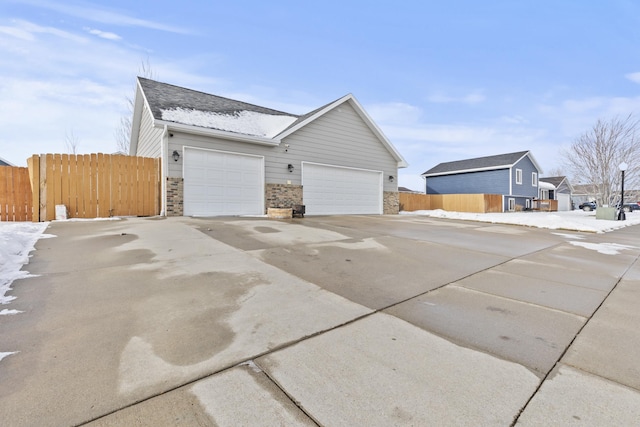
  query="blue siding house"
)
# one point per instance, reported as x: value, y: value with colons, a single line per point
x: 512, y: 175
x: 4, y: 162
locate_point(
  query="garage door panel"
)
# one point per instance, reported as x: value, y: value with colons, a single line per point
x: 331, y: 190
x: 220, y: 183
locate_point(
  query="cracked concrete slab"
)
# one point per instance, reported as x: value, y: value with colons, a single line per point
x: 571, y: 397
x: 531, y: 335
x: 240, y: 396
x: 382, y: 371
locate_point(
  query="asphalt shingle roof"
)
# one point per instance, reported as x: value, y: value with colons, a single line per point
x: 487, y: 162
x: 163, y: 96
x: 555, y: 180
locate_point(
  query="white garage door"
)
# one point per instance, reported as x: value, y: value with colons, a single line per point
x: 564, y: 202
x: 219, y: 183
x: 331, y: 190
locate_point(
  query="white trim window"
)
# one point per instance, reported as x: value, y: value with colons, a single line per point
x: 512, y: 204
x: 519, y: 176
x: 527, y: 204
x: 534, y: 179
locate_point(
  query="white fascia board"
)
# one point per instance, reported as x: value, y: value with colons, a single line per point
x: 197, y: 130
x: 533, y: 160
x: 459, y: 171
x: 139, y: 102
x: 363, y: 115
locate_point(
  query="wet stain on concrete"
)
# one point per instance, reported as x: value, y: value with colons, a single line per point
x: 266, y: 230
x: 196, y: 328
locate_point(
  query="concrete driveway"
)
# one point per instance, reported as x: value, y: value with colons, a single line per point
x: 327, y: 321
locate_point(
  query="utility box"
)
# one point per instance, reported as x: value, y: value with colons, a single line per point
x: 606, y: 213
x: 61, y: 212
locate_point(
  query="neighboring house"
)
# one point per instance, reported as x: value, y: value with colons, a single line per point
x: 557, y: 188
x: 226, y: 157
x: 584, y: 193
x: 408, y: 190
x: 4, y: 162
x: 512, y: 175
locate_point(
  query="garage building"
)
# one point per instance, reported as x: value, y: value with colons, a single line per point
x: 222, y: 157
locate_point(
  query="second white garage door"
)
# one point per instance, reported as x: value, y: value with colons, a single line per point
x: 218, y: 183
x: 334, y: 190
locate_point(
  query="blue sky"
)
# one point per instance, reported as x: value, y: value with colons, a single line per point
x: 443, y: 80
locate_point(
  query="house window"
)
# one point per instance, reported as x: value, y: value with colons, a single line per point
x: 534, y: 179
x: 512, y: 205
x: 527, y: 204
x: 518, y: 176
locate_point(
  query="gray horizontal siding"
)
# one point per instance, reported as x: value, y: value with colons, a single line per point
x: 526, y: 189
x: 487, y: 182
x: 338, y: 138
x: 563, y: 188
x: 149, y: 137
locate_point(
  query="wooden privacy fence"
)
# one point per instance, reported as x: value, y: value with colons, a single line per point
x: 476, y: 203
x: 545, y: 205
x: 94, y: 185
x: 15, y: 194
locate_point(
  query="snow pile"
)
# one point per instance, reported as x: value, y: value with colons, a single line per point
x: 17, y: 239
x: 570, y: 220
x: 245, y: 122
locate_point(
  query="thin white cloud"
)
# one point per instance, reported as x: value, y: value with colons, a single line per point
x: 18, y: 33
x: 103, y: 34
x: 104, y: 16
x: 28, y: 31
x: 634, y: 77
x: 472, y: 98
x: 572, y: 117
x: 516, y: 119
x: 394, y: 113
x: 583, y: 105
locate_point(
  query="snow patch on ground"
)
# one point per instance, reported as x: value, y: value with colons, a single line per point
x: 604, y: 248
x: 7, y: 312
x: 17, y: 239
x: 6, y: 353
x: 570, y: 220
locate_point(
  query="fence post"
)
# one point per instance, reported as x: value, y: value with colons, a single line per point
x: 33, y: 163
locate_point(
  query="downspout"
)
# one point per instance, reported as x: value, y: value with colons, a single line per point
x: 511, y: 181
x: 164, y: 143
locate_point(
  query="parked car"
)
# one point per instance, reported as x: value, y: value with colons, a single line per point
x: 628, y: 207
x: 587, y: 206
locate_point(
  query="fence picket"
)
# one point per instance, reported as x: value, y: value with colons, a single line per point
x: 477, y: 203
x: 90, y: 186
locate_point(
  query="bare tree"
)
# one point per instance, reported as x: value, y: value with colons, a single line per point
x: 123, y: 131
x: 555, y: 172
x: 71, y: 142
x: 595, y: 156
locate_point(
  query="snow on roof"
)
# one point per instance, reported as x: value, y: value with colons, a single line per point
x: 245, y: 122
x: 546, y: 185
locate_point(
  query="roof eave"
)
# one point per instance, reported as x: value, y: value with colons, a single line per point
x: 488, y: 168
x: 198, y: 130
